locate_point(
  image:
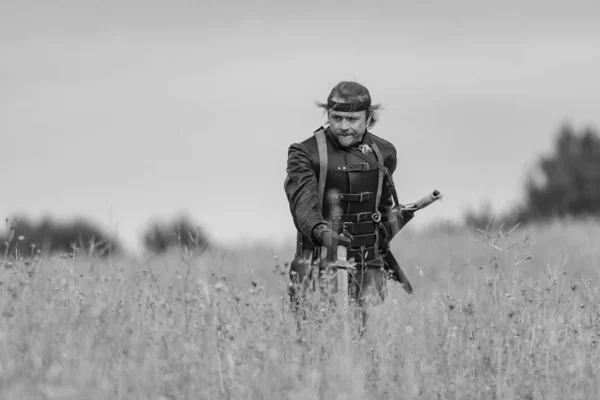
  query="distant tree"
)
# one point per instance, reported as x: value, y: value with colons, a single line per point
x: 566, y: 182
x: 178, y: 233
x: 48, y: 236
x: 563, y: 183
x: 478, y: 218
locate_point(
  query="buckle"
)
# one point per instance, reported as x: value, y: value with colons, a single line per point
x: 365, y: 166
x: 345, y: 228
x: 362, y: 196
x: 376, y: 217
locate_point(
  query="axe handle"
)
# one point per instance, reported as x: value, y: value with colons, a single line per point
x: 427, y: 200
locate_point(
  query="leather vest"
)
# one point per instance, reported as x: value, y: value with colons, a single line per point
x: 350, y: 196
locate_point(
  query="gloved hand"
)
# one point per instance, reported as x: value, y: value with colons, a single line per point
x: 330, y: 239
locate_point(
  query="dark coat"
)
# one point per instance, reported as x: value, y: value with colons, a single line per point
x: 344, y: 184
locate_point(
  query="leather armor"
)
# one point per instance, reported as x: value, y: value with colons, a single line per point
x: 350, y: 195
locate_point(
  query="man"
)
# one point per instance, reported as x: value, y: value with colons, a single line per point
x: 345, y: 203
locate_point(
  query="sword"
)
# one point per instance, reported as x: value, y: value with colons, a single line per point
x: 343, y: 266
x: 342, y: 276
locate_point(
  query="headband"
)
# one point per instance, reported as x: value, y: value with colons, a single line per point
x: 349, y: 107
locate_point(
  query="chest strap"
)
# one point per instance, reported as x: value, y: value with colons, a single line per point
x: 354, y: 198
x: 322, y: 147
x: 380, y: 177
x: 360, y: 217
x: 362, y: 167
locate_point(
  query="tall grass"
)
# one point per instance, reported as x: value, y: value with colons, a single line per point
x: 494, y: 315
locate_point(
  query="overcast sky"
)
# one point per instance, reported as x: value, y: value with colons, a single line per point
x: 122, y: 111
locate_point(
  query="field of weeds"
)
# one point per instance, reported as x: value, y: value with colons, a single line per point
x: 494, y: 315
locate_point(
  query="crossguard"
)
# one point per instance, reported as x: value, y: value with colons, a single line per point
x: 342, y: 258
x: 424, y: 202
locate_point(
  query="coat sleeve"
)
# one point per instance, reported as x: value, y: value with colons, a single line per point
x: 302, y: 190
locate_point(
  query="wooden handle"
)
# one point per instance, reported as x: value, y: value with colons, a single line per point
x: 427, y: 200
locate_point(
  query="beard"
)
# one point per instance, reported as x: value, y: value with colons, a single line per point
x: 348, y: 140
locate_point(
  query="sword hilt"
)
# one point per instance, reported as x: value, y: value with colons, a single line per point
x: 342, y: 258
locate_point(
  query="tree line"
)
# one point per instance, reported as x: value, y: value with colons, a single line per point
x: 564, y: 183
x: 26, y: 238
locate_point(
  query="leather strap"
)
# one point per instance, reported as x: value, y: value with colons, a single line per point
x: 362, y: 167
x: 359, y: 154
x: 380, y: 183
x: 354, y: 198
x: 379, y: 189
x: 322, y: 147
x: 359, y: 228
x: 361, y: 217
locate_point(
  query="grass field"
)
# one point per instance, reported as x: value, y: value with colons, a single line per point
x: 515, y: 316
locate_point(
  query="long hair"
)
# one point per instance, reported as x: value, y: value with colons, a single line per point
x: 353, y: 92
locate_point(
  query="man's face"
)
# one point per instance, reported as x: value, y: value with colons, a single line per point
x: 348, y: 127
